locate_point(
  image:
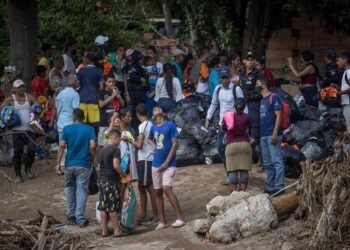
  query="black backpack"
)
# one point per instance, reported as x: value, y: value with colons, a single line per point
x: 233, y: 92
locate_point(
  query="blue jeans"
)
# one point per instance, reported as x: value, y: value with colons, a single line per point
x: 310, y: 95
x: 273, y: 163
x: 76, y: 188
x: 221, y: 146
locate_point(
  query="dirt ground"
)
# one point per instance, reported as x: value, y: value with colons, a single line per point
x: 194, y: 185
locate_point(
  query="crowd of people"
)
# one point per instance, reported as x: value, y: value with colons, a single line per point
x: 109, y: 111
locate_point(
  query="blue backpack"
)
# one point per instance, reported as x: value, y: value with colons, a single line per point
x: 10, y: 117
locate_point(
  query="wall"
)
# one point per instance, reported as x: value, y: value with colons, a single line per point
x: 303, y: 34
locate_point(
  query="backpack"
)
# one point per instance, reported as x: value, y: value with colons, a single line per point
x: 234, y: 92
x: 10, y: 117
x: 285, y: 122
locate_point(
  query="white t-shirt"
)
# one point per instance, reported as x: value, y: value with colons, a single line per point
x: 345, y: 99
x: 145, y: 153
x: 68, y: 65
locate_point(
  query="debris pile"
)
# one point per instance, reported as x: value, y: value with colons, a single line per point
x: 324, y: 193
x: 44, y: 232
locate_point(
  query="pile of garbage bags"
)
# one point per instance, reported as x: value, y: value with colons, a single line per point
x: 311, y: 135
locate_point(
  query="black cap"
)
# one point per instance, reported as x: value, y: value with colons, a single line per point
x: 330, y: 54
x: 249, y: 54
x: 136, y: 56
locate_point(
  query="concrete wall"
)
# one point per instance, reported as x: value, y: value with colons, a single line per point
x: 303, y: 34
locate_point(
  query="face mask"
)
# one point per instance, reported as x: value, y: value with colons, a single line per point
x: 258, y: 88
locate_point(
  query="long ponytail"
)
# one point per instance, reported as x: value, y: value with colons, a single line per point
x: 168, y: 77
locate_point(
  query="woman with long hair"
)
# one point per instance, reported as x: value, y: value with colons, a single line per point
x: 168, y: 89
x: 238, y: 150
x: 308, y: 77
x: 234, y: 60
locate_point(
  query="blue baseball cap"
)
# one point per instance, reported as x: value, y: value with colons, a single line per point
x: 224, y: 72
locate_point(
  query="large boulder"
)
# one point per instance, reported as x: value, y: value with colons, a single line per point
x: 200, y: 226
x: 251, y: 216
x: 220, y: 204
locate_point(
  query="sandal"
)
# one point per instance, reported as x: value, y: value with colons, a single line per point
x: 178, y: 223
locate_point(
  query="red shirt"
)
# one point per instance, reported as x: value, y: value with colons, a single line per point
x: 39, y: 86
x: 239, y: 133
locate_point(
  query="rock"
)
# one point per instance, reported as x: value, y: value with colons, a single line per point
x: 233, y: 199
x: 287, y: 246
x: 213, y: 207
x: 220, y: 204
x: 249, y: 217
x: 200, y: 226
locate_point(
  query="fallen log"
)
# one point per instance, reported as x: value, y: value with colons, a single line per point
x: 286, y: 204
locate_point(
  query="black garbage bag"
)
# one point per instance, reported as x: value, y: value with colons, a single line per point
x: 176, y: 116
x: 202, y: 135
x: 290, y: 101
x: 314, y: 149
x: 333, y: 120
x: 187, y: 153
x: 214, y: 122
x: 6, y: 151
x: 299, y: 100
x: 309, y: 113
x: 303, y: 130
x: 210, y: 154
x: 257, y: 154
x: 292, y: 159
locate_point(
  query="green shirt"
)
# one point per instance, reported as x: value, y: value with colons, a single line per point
x: 178, y: 72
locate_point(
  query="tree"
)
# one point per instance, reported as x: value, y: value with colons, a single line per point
x: 167, y: 16
x: 23, y: 28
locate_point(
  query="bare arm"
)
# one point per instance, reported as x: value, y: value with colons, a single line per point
x: 278, y: 120
x: 308, y: 70
x: 139, y: 143
x: 8, y: 102
x: 116, y: 166
x: 151, y: 142
x: 101, y: 86
x: 173, y: 149
x: 92, y: 150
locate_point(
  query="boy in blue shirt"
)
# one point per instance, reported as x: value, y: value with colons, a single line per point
x: 164, y: 140
x: 271, y: 137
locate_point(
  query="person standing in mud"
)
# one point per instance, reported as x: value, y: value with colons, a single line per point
x: 23, y: 135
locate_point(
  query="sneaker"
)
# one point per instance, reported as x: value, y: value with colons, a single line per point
x: 54, y: 147
x: 153, y: 220
x: 85, y: 224
x: 19, y: 179
x: 161, y: 226
x: 29, y: 174
x: 71, y: 219
x: 178, y: 223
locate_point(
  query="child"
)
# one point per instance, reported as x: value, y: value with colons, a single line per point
x: 109, y: 101
x: 39, y: 83
x: 164, y: 139
x: 144, y: 165
x: 108, y: 183
x: 152, y: 72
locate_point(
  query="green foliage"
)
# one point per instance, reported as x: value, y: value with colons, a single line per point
x: 84, y: 20
x: 4, y: 36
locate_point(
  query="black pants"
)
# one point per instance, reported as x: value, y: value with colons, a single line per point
x: 19, y: 141
x: 137, y: 96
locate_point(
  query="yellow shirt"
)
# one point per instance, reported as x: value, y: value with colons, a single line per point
x: 45, y: 62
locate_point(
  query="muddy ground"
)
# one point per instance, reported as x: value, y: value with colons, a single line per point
x: 194, y: 185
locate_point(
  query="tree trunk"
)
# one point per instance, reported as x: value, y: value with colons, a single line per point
x: 167, y: 16
x: 258, y: 25
x: 240, y: 20
x: 23, y: 26
x: 192, y: 26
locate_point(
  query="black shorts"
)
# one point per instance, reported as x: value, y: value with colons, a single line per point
x: 144, y: 169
